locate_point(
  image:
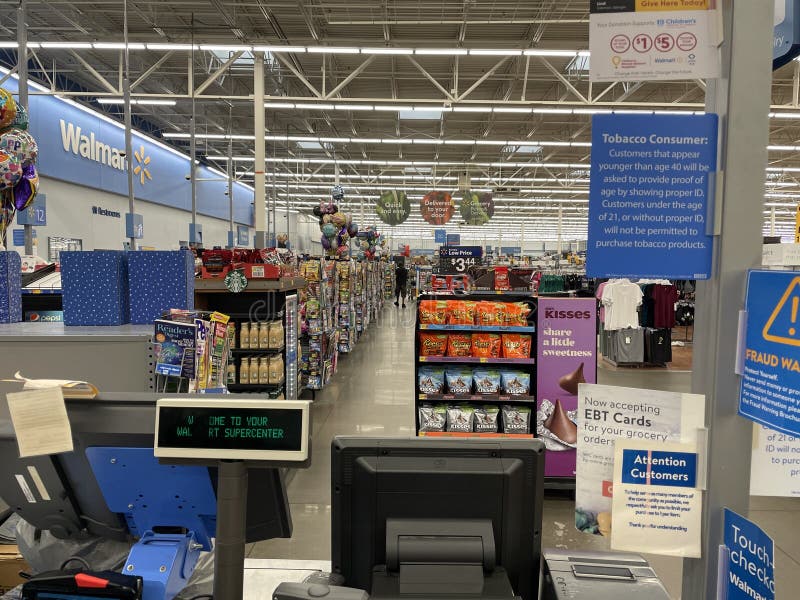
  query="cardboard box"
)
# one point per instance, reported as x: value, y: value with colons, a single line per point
x: 10, y: 287
x: 95, y: 287
x: 11, y: 563
x: 159, y: 281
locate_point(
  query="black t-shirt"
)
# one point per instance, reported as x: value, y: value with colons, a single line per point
x: 401, y: 276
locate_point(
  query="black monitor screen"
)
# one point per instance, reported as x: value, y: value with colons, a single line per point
x: 501, y: 481
x: 230, y: 428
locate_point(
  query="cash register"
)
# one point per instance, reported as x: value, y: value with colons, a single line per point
x: 173, y: 473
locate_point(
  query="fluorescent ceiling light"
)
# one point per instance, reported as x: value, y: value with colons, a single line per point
x: 298, y: 49
x: 496, y: 52
x: 387, y: 51
x: 564, y: 53
x: 335, y: 140
x: 784, y: 148
x: 553, y: 111
x: 315, y: 106
x: 354, y: 107
x: 8, y: 44
x: 138, y: 101
x: 67, y: 45
x: 279, y: 105
x: 331, y: 50
x: 441, y: 51
x: 117, y: 46
x: 169, y: 46
x: 226, y: 48
x: 392, y: 108
x: 475, y: 109
x: 512, y: 109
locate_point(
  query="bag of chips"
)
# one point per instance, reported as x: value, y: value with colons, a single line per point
x: 432, y: 417
x: 432, y: 344
x: 516, y: 345
x: 430, y: 380
x: 516, y: 382
x: 486, y: 419
x: 487, y: 381
x: 432, y: 312
x: 459, y: 344
x: 516, y: 419
x: 459, y: 418
x: 486, y: 345
x: 471, y: 311
x: 459, y: 380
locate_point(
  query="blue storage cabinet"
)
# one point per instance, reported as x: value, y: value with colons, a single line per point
x: 95, y: 287
x: 159, y: 280
x: 10, y: 287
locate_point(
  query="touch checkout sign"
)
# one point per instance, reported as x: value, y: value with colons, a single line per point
x: 264, y: 430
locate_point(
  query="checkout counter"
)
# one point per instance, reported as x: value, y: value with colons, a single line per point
x: 411, y: 518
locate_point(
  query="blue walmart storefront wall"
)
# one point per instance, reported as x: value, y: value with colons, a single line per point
x: 63, y: 131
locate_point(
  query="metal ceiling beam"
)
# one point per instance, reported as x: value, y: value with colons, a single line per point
x: 143, y: 77
x: 103, y: 81
x: 432, y: 79
x: 220, y: 70
x: 358, y: 70
x: 298, y: 74
x: 485, y: 76
x: 562, y: 79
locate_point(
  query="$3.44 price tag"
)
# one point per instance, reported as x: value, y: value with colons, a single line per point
x: 461, y: 264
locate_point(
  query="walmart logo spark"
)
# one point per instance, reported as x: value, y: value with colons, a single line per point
x: 142, y: 163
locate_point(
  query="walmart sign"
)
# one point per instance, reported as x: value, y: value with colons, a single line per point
x: 83, y: 147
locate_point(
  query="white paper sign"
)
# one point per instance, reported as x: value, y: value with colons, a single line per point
x: 654, y: 45
x: 659, y: 519
x: 40, y: 422
x: 775, y: 466
x: 607, y: 413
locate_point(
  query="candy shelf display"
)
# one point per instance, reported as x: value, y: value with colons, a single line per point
x: 505, y: 364
x: 319, y: 322
x: 262, y: 333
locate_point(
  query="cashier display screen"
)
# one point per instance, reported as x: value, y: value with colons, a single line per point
x: 230, y: 428
x: 603, y: 572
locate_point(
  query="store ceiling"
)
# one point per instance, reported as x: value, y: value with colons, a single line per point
x: 535, y: 161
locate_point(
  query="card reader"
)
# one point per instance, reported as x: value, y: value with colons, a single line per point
x: 82, y: 585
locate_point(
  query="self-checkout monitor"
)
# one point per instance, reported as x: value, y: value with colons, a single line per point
x: 232, y: 429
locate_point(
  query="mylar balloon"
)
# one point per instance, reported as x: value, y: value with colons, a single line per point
x: 352, y: 229
x: 25, y: 191
x: 337, y: 193
x: 339, y: 219
x: 329, y: 230
x: 30, y: 149
x: 12, y: 144
x: 326, y: 242
x: 8, y: 109
x: 10, y: 171
x: 21, y: 120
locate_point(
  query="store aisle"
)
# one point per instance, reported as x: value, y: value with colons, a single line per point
x: 372, y: 394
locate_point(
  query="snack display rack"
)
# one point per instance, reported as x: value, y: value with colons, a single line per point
x: 500, y: 404
x: 388, y: 280
x: 319, y: 317
x: 348, y: 333
x: 262, y: 301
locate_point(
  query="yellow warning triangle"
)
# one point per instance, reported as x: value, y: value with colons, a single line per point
x: 783, y: 325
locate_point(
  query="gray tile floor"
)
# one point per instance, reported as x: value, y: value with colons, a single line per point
x: 373, y: 394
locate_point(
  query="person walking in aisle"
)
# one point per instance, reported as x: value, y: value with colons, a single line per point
x: 401, y: 279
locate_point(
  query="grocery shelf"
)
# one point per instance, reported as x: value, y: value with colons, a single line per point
x: 253, y: 285
x: 243, y: 388
x: 476, y: 360
x: 238, y: 351
x: 479, y: 328
x: 508, y: 398
x: 460, y: 434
